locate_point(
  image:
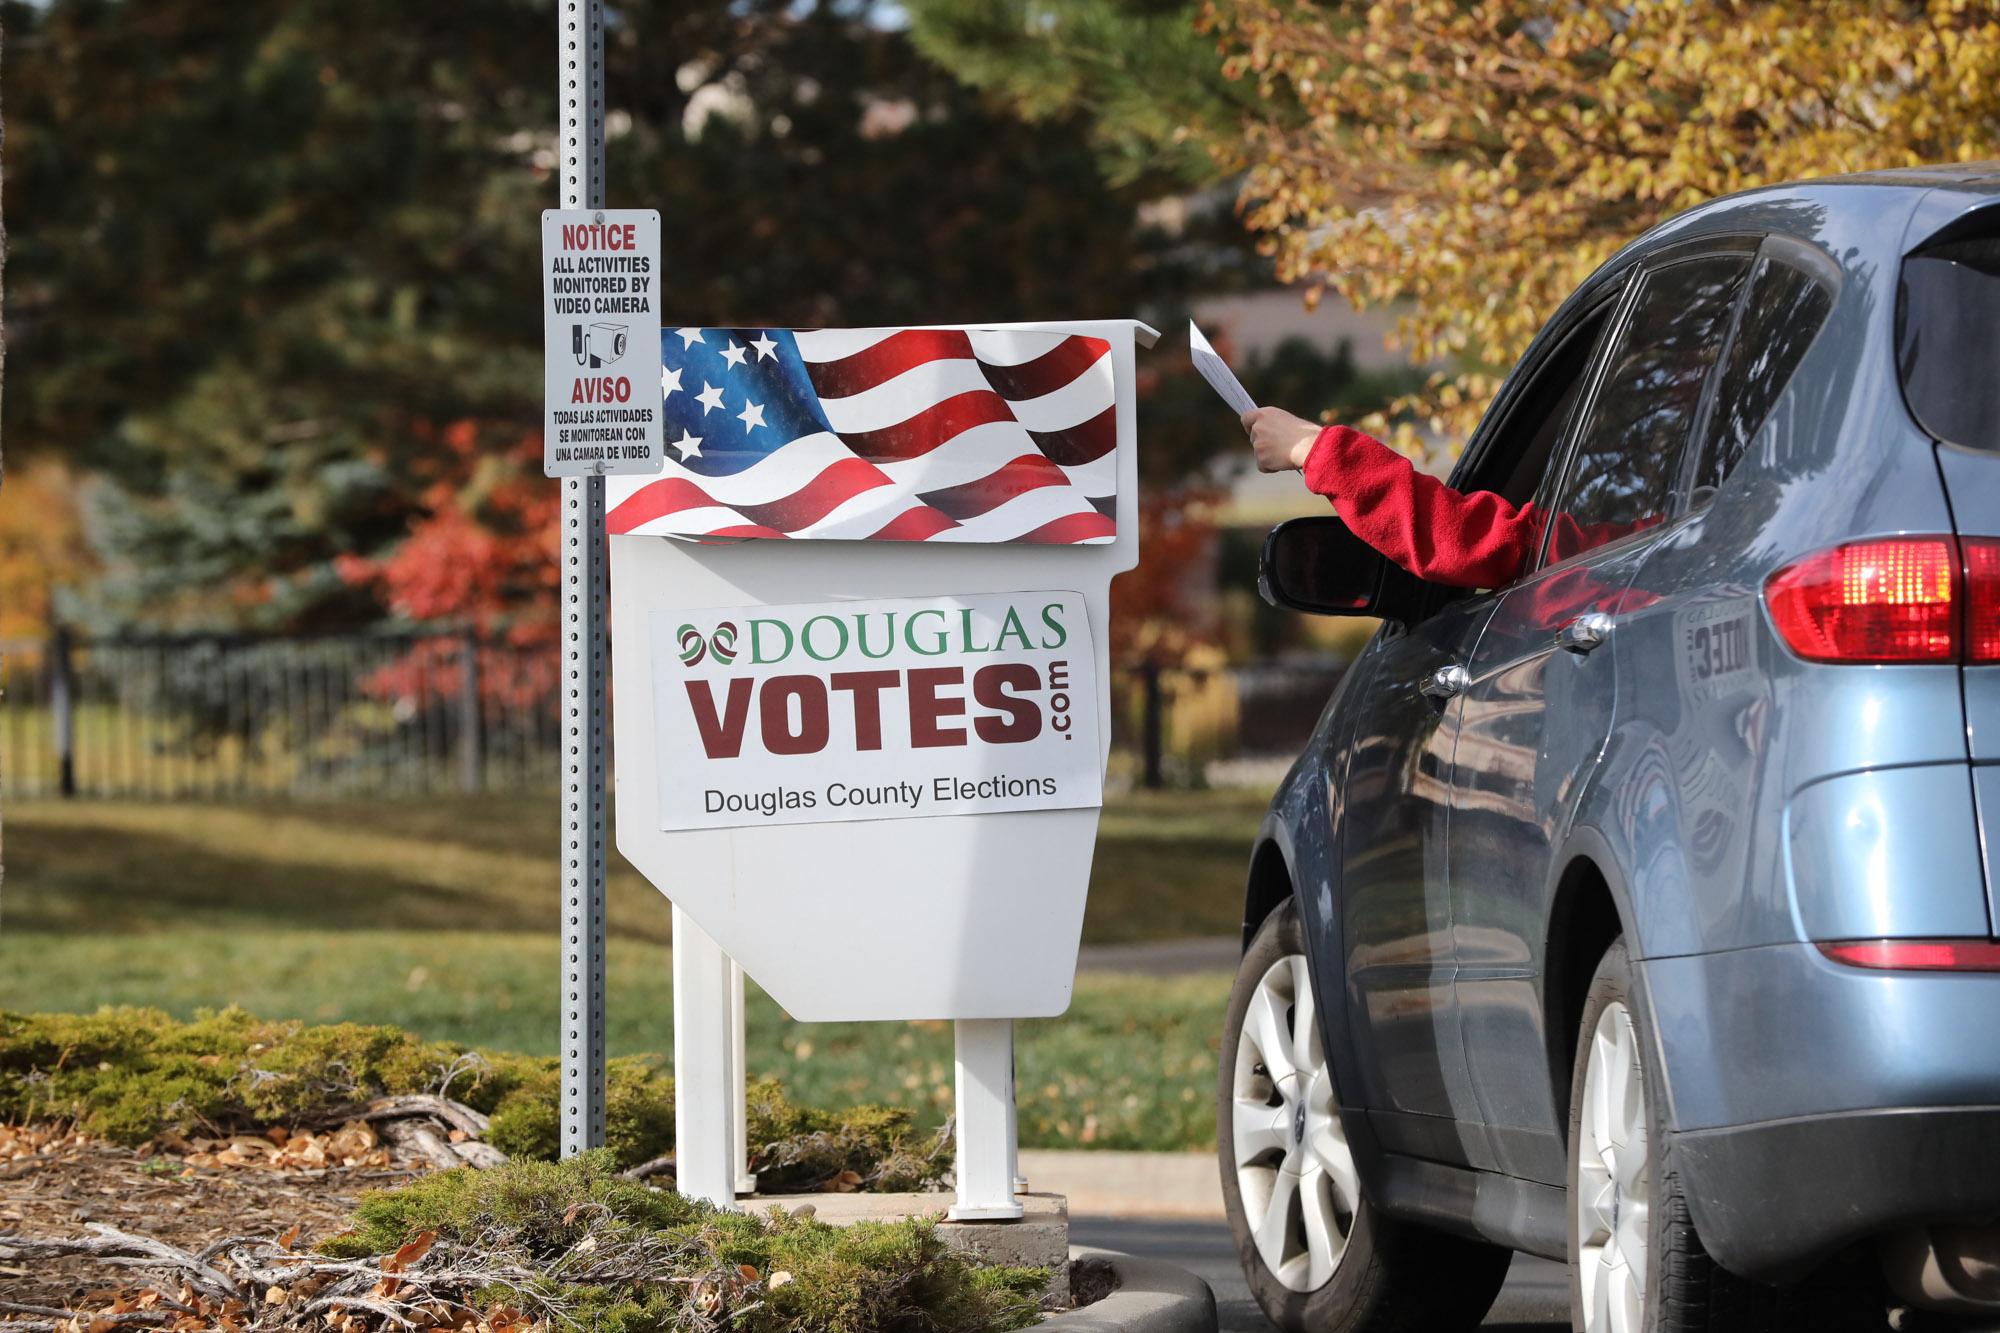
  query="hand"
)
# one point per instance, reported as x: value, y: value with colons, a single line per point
x: 1280, y: 440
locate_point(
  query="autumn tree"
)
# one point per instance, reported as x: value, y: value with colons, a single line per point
x: 42, y: 551
x: 1162, y: 116
x: 1471, y: 161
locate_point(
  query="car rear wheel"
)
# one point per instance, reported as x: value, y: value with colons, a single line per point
x: 1611, y: 1189
x: 1317, y: 1257
x: 1636, y: 1262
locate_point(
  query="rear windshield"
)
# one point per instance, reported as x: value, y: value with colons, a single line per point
x: 1947, y: 316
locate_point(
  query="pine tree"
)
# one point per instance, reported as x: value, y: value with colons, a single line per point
x: 1150, y: 84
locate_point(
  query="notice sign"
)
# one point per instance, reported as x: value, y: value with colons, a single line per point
x: 601, y: 341
x: 875, y: 710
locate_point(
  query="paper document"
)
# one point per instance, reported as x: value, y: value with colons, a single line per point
x: 1217, y: 372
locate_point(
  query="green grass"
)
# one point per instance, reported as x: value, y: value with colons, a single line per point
x: 364, y: 911
x: 430, y: 863
x: 1169, y: 865
x: 1131, y: 1065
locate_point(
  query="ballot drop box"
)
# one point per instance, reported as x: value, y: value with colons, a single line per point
x: 860, y: 687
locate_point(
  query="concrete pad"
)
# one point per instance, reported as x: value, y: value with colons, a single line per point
x: 1040, y: 1239
x: 1129, y: 1184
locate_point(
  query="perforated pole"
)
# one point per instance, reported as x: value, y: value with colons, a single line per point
x: 585, y: 649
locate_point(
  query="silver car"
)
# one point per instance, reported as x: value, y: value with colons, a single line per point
x: 1638, y: 914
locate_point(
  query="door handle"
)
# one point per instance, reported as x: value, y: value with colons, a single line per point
x: 1447, y: 682
x: 1584, y: 633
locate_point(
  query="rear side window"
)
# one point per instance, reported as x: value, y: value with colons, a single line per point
x: 1781, y: 317
x: 1946, y: 314
x: 1631, y: 445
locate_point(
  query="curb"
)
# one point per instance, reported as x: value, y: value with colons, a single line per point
x: 1152, y: 1296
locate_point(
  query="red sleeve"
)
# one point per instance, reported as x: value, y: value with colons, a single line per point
x: 1438, y: 534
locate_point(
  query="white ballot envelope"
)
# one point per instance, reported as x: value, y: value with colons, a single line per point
x: 1217, y: 372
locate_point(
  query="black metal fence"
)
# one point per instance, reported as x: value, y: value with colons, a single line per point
x: 442, y: 710
x: 174, y: 717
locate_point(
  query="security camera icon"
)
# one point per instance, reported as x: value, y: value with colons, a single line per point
x: 597, y: 344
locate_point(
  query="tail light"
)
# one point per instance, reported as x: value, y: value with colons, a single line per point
x: 1982, y: 602
x: 1898, y: 599
x: 1916, y: 955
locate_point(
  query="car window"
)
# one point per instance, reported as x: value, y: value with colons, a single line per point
x: 1946, y: 310
x: 1632, y: 440
x: 1520, y: 455
x: 1781, y: 317
x: 1516, y: 461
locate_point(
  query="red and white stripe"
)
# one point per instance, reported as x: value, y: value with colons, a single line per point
x: 939, y: 435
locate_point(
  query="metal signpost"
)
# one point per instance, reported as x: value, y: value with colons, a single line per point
x: 580, y: 86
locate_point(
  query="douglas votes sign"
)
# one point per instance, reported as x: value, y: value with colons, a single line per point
x: 876, y: 710
x: 893, y: 741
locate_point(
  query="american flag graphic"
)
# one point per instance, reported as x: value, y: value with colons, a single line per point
x: 971, y: 435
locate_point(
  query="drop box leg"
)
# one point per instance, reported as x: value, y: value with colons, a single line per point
x: 986, y: 1130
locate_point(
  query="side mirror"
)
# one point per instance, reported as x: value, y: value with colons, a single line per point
x: 1316, y: 565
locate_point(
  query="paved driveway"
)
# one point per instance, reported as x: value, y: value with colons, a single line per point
x: 1535, y: 1301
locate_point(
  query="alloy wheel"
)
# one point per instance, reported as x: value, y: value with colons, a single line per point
x: 1293, y: 1166
x: 1613, y: 1182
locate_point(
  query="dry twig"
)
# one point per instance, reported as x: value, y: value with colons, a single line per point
x: 652, y: 1167
x: 456, y: 1114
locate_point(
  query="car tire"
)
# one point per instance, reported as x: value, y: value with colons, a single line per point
x: 1636, y: 1263
x: 1318, y: 1257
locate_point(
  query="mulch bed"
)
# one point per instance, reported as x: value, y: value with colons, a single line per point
x: 193, y: 1235
x: 53, y: 1184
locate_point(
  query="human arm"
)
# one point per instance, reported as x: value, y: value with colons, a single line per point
x: 1475, y: 540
